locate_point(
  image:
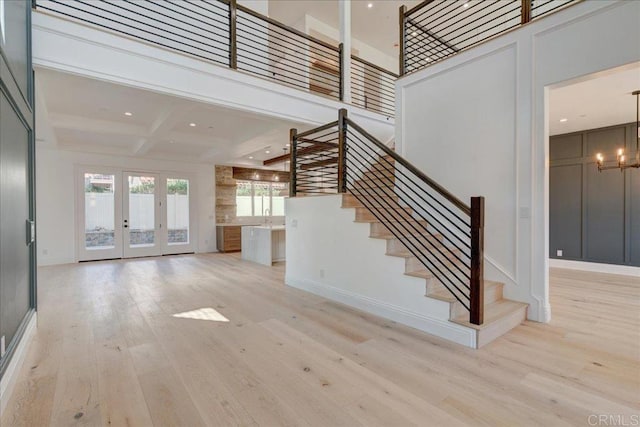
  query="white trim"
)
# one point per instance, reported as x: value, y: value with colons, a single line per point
x: 8, y: 380
x: 626, y: 270
x: 441, y: 328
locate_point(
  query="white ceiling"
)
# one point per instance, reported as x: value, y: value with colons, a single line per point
x: 82, y: 114
x: 376, y: 26
x: 603, y: 100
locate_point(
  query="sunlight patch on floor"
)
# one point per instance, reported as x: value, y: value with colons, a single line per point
x: 203, y: 314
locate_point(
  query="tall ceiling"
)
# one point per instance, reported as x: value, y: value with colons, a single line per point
x: 82, y: 114
x: 376, y: 26
x: 599, y: 101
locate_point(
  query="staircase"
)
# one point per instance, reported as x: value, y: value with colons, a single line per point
x: 501, y: 315
x: 438, y: 236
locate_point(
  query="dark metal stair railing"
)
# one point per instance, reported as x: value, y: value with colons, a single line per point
x: 443, y: 233
x: 235, y: 36
x: 436, y: 29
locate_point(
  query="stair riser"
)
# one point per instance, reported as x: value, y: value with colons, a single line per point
x: 380, y: 228
x: 383, y: 175
x: 428, y: 242
x: 350, y: 201
x: 412, y: 264
x: 364, y: 214
x: 366, y: 191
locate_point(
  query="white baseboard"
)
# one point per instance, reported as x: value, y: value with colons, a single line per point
x: 438, y: 327
x: 8, y: 380
x: 595, y: 267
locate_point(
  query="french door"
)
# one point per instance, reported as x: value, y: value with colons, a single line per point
x: 134, y: 214
x: 141, y: 222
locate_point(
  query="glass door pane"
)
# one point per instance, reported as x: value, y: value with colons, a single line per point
x: 177, y: 211
x: 140, y: 219
x: 99, y: 211
x: 178, y: 216
x: 100, y: 207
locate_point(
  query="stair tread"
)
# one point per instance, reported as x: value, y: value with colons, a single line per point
x: 493, y: 313
x: 442, y: 293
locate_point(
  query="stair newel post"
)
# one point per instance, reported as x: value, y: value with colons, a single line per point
x: 342, y: 151
x: 233, y: 51
x: 525, y: 11
x: 477, y: 261
x: 293, y: 142
x: 402, y: 12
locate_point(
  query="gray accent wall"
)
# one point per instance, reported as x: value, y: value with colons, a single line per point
x: 17, y: 206
x: 593, y: 216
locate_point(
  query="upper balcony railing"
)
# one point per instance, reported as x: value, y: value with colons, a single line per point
x: 437, y: 29
x: 235, y: 36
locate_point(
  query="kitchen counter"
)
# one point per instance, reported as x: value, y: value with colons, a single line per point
x: 263, y: 244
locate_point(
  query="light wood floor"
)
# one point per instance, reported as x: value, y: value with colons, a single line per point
x: 109, y: 352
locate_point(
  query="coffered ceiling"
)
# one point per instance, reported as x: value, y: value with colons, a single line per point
x: 82, y: 114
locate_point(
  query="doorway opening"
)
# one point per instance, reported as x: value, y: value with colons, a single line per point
x: 594, y: 216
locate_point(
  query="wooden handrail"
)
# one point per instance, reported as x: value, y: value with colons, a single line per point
x: 401, y: 160
x: 318, y: 129
x: 418, y: 7
x: 374, y: 66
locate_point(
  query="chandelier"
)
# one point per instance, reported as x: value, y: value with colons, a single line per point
x: 622, y: 159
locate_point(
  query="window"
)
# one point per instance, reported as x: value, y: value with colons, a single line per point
x: 260, y: 198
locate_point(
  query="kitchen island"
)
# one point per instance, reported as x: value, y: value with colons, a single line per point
x: 263, y: 244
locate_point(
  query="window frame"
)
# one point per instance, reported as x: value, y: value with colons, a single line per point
x: 252, y: 195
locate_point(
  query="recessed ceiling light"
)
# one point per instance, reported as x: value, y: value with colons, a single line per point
x: 128, y: 113
x: 564, y: 120
x: 370, y: 5
x: 414, y: 34
x: 192, y: 125
x: 267, y: 151
x: 250, y: 157
x: 466, y: 5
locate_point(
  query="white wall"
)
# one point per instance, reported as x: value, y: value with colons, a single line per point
x: 330, y: 255
x: 477, y: 123
x: 56, y: 184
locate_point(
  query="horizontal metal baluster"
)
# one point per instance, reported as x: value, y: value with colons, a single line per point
x: 390, y: 222
x: 451, y: 252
